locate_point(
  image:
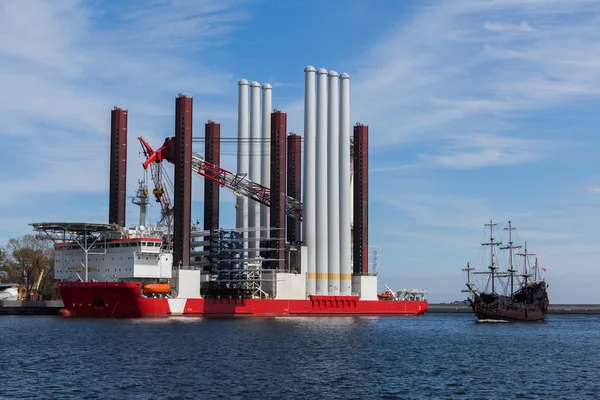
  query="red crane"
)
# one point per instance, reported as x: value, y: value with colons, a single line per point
x: 238, y: 184
x: 160, y: 191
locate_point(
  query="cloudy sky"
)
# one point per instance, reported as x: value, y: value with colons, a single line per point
x: 477, y: 110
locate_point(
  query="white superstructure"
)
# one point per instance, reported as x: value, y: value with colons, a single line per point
x: 138, y: 255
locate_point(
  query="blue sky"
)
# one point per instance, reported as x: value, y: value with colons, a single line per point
x: 477, y: 110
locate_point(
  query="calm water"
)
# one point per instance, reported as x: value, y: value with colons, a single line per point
x: 445, y: 356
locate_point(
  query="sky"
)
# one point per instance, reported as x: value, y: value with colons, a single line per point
x: 477, y: 110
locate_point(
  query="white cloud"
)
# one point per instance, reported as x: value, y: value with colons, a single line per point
x: 67, y: 64
x: 64, y: 67
x: 477, y: 64
x: 522, y: 27
x: 481, y: 150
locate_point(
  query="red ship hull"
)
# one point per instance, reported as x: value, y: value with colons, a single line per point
x: 125, y: 300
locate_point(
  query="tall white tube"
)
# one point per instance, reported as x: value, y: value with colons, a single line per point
x: 333, y: 183
x: 308, y: 201
x: 254, y: 170
x: 241, y: 216
x: 321, y: 184
x: 265, y: 171
x: 345, y: 195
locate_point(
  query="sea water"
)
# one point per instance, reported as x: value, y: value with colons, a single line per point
x: 436, y: 356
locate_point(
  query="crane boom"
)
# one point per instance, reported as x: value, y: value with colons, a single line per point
x: 240, y: 185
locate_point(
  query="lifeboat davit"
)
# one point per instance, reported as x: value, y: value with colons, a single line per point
x: 160, y: 288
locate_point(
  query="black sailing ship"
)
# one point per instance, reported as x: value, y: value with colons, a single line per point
x: 515, y: 295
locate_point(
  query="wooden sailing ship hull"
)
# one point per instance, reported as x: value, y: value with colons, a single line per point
x: 498, y: 307
x: 497, y: 311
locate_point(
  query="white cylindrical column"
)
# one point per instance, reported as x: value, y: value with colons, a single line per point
x: 321, y: 184
x: 241, y: 216
x: 345, y: 194
x: 254, y: 170
x: 308, y: 201
x: 333, y: 183
x: 265, y: 154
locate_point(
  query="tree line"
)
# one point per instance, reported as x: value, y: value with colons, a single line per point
x: 27, y: 260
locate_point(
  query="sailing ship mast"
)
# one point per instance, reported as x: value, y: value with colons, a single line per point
x: 491, y: 243
x: 469, y: 284
x: 510, y: 248
x: 525, y: 254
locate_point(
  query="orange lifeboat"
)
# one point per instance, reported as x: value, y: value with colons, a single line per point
x: 160, y: 288
x: 385, y: 295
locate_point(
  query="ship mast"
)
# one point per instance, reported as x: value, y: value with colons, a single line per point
x: 491, y: 243
x: 525, y: 254
x: 469, y: 284
x: 510, y: 248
